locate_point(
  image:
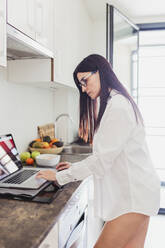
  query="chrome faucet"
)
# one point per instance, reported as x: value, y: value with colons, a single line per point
x: 64, y: 115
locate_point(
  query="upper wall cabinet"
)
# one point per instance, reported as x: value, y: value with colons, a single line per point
x: 34, y: 18
x: 20, y: 14
x: 73, y: 28
x: 44, y: 22
x: 3, y: 33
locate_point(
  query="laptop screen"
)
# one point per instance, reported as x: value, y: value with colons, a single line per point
x: 9, y: 157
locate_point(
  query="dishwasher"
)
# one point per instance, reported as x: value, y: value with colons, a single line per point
x: 73, y: 223
x: 78, y: 237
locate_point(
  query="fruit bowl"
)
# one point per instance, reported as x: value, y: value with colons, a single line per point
x: 48, y: 160
x: 47, y: 150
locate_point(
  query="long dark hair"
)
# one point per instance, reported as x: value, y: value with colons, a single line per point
x: 89, y: 121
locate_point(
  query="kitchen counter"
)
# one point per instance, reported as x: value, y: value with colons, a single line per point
x: 25, y: 224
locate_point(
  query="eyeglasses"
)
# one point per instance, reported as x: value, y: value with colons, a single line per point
x: 83, y: 81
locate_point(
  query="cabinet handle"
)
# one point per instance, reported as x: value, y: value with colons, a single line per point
x: 30, y: 15
x: 39, y: 21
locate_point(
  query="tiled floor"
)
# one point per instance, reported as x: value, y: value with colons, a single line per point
x: 156, y: 232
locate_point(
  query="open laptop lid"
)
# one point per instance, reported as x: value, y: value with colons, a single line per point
x: 9, y: 157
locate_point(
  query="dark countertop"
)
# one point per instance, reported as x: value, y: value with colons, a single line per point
x: 25, y: 224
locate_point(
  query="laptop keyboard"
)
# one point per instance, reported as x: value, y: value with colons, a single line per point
x: 21, y: 177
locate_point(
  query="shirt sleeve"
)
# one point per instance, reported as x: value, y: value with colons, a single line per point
x: 114, y: 131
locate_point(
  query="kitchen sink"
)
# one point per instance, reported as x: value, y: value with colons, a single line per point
x: 73, y: 158
x: 77, y: 149
x: 74, y: 153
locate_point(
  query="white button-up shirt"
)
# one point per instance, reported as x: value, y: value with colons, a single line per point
x: 124, y: 177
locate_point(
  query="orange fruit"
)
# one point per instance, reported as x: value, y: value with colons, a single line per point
x: 29, y: 161
x: 46, y: 145
x: 54, y: 140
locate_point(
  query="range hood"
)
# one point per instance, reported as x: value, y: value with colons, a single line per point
x: 20, y: 46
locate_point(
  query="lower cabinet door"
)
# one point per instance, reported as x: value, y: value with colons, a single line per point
x: 77, y: 238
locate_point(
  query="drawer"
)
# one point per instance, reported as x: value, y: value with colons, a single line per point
x: 74, y: 210
x: 67, y: 224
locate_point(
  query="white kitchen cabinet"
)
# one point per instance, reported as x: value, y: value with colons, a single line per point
x: 20, y: 14
x: 66, y: 40
x: 32, y: 72
x: 72, y: 39
x: 3, y: 33
x: 94, y: 224
x: 70, y: 230
x: 44, y: 21
x: 34, y: 18
x: 51, y: 240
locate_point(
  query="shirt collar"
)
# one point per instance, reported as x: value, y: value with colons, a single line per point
x: 113, y: 92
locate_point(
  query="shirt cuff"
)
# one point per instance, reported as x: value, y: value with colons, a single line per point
x: 65, y: 176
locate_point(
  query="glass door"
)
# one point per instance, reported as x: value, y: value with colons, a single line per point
x: 122, y: 45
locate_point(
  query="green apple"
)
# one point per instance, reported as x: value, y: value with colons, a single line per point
x: 24, y: 156
x: 35, y: 154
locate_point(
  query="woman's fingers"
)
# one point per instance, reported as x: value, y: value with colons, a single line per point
x: 62, y: 166
x: 40, y: 176
x: 47, y: 174
x: 50, y: 175
x: 39, y: 173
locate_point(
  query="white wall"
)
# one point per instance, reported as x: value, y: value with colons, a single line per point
x: 99, y: 37
x: 122, y: 64
x: 66, y: 101
x: 148, y: 19
x: 73, y: 29
x: 22, y: 109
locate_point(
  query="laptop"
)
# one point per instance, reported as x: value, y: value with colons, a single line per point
x: 12, y: 172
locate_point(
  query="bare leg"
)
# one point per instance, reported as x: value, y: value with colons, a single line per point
x: 139, y: 239
x: 118, y: 232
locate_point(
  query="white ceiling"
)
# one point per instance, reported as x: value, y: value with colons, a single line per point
x: 137, y: 10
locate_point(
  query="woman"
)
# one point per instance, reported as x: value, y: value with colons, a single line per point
x: 127, y: 189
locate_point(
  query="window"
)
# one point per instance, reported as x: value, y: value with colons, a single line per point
x: 150, y: 95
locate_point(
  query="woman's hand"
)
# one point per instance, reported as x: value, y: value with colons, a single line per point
x: 51, y: 175
x: 47, y: 174
x: 63, y: 166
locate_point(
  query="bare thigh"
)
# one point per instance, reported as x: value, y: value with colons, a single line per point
x: 118, y: 232
x: 139, y: 239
